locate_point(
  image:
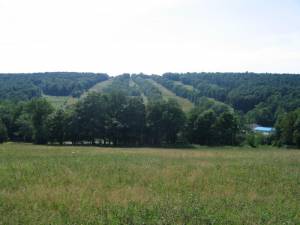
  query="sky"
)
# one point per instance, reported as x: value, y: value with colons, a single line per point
x: 150, y: 36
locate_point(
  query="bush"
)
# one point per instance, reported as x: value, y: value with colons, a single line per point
x: 251, y: 140
x: 256, y: 139
x: 3, y: 132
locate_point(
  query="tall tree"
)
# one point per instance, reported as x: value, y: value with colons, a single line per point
x: 56, y: 125
x: 115, y: 125
x: 165, y: 119
x: 288, y: 128
x: 90, y: 117
x: 3, y: 132
x: 201, y: 127
x: 133, y: 120
x: 40, y: 109
x: 226, y: 128
x: 297, y: 131
x: 25, y: 128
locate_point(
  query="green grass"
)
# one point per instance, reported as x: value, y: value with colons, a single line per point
x: 189, y: 87
x: 99, y: 87
x: 60, y: 101
x: 90, y: 185
x: 167, y: 94
x: 144, y: 97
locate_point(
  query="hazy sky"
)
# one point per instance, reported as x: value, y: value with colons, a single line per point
x: 150, y: 36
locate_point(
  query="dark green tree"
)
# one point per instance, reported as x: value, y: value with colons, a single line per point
x: 227, y: 129
x: 40, y: 109
x: 201, y: 127
x: 3, y: 132
x: 297, y: 138
x: 296, y: 134
x: 133, y: 119
x: 115, y: 124
x: 25, y: 128
x: 165, y: 120
x: 73, y: 127
x: 56, y: 125
x: 288, y: 129
x: 90, y: 117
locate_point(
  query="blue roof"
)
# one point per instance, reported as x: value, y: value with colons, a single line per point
x: 264, y: 129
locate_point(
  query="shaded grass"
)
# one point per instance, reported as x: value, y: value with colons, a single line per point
x: 99, y: 87
x: 90, y: 185
x: 60, y: 101
x: 144, y: 97
x: 189, y: 87
x: 167, y: 94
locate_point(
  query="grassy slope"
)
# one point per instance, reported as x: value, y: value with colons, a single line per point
x: 145, y: 99
x: 99, y: 87
x: 89, y: 185
x: 167, y: 94
x: 60, y: 101
x: 189, y: 87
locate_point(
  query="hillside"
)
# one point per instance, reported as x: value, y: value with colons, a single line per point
x: 27, y: 86
x: 137, y: 109
x: 261, y: 97
x: 132, y: 87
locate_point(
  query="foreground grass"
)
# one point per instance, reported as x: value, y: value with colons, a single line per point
x: 89, y: 185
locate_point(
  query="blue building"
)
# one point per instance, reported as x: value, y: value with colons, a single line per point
x: 264, y: 130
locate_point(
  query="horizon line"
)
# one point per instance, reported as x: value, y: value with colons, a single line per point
x: 149, y: 74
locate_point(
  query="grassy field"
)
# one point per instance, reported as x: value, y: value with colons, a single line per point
x: 185, y: 104
x: 90, y: 185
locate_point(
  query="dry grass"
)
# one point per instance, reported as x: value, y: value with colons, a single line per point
x: 90, y: 185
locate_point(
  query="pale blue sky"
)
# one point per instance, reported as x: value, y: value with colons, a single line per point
x: 156, y: 36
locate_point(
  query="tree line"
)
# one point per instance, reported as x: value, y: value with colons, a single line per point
x: 18, y: 87
x: 116, y: 119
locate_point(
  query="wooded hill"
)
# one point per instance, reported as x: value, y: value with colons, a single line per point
x: 210, y: 102
x: 261, y: 97
x: 27, y: 86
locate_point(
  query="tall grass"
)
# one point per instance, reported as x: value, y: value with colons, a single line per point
x: 89, y: 185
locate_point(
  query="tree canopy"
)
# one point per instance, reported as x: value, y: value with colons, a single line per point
x: 28, y: 86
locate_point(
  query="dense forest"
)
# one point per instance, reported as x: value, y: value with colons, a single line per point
x: 28, y: 86
x: 262, y: 97
x: 133, y: 109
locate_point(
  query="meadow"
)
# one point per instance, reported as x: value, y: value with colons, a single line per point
x: 93, y: 185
